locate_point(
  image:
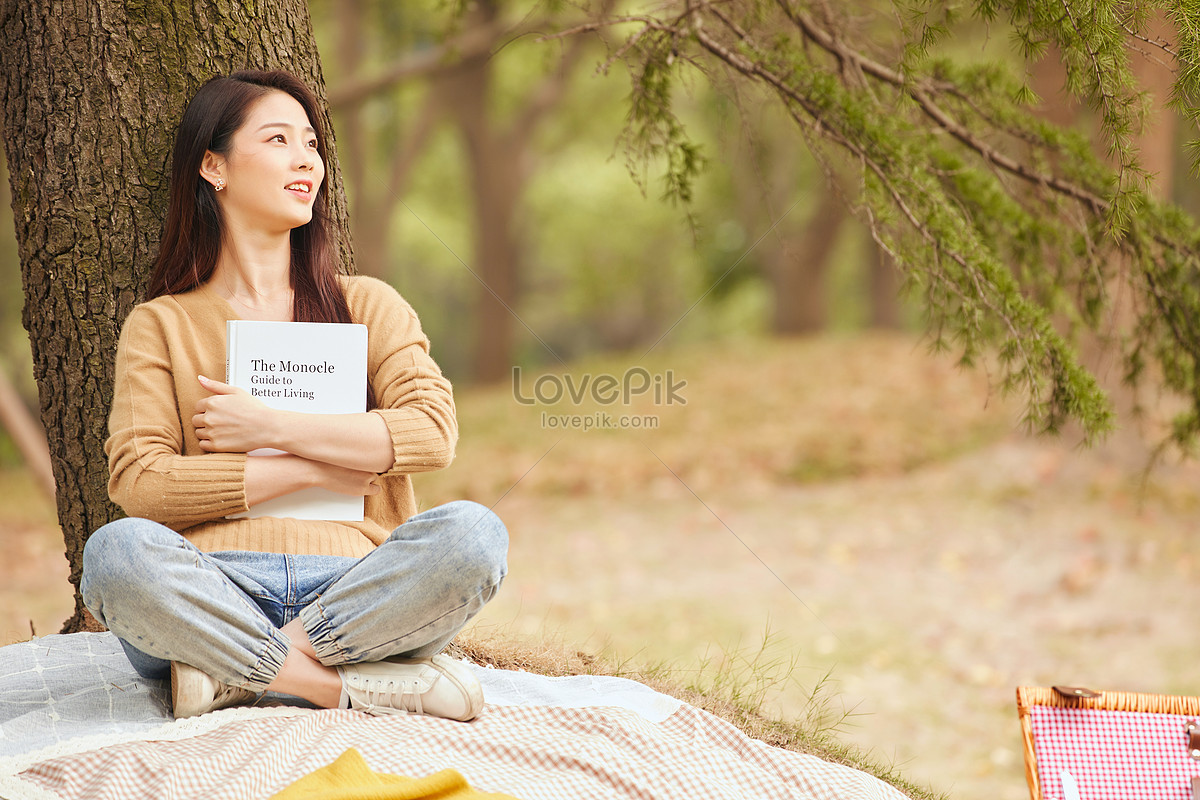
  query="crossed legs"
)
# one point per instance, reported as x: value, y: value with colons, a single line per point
x: 167, y: 601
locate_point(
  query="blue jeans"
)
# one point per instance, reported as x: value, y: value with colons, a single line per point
x: 221, y: 612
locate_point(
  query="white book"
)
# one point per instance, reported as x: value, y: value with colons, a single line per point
x: 312, y: 367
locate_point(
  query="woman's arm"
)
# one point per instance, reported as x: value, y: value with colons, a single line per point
x: 268, y: 477
x: 149, y: 475
x: 413, y: 429
x: 413, y: 398
x: 231, y: 421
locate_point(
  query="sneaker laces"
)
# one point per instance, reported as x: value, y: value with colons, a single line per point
x: 393, y: 693
x: 226, y: 694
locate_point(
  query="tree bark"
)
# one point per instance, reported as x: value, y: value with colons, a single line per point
x: 91, y: 92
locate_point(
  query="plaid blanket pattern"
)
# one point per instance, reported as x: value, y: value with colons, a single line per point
x: 532, y: 752
x: 1113, y: 755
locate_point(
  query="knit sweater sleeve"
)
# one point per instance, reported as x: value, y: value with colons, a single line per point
x: 411, y: 394
x: 150, y: 475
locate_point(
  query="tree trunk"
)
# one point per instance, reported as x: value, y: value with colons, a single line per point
x: 884, y: 288
x: 1048, y: 79
x: 27, y: 434
x: 796, y: 255
x: 501, y: 163
x: 91, y: 93
x: 1156, y: 141
x: 351, y: 17
x: 375, y: 200
x: 1152, y: 69
x: 799, y: 271
x: 496, y: 185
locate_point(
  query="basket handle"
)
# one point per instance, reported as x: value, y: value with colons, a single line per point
x: 1193, y: 732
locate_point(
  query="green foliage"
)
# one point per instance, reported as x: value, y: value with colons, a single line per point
x: 1014, y: 233
x: 1185, y: 97
x: 602, y: 265
x: 654, y: 131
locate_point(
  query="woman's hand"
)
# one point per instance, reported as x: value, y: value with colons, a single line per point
x: 344, y: 480
x: 230, y: 420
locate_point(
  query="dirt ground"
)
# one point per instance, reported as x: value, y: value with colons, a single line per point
x: 925, y: 599
x: 913, y: 599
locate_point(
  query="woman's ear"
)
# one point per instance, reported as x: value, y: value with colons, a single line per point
x: 212, y: 168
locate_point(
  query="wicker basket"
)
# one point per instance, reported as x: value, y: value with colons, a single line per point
x: 1068, y: 697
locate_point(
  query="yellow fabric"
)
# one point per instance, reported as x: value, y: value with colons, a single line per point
x: 158, y: 471
x: 349, y: 778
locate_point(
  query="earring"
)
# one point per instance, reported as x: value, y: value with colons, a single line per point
x: 220, y: 184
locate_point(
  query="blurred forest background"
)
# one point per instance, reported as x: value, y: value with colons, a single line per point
x: 834, y: 512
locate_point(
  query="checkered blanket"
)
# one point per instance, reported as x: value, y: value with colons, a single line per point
x: 586, y: 738
x: 1113, y: 755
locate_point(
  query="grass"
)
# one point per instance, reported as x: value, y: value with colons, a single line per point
x: 759, y: 417
x: 736, y: 695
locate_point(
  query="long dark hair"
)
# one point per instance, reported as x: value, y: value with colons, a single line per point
x: 191, y: 240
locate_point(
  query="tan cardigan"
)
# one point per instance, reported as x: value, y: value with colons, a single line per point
x: 158, y: 471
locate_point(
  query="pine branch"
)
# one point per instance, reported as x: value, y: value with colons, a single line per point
x: 920, y: 91
x: 1007, y: 222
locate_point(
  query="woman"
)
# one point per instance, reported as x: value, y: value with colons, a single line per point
x: 342, y: 614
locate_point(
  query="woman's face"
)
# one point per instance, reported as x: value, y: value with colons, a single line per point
x: 272, y: 170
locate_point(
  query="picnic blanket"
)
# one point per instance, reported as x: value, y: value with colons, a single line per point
x: 77, y: 722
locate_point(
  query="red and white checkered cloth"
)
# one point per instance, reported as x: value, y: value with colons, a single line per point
x: 1113, y: 755
x: 532, y: 752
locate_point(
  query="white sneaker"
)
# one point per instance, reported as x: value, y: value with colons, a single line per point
x: 438, y: 686
x: 194, y: 692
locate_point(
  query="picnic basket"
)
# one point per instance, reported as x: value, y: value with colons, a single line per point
x: 1113, y: 745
